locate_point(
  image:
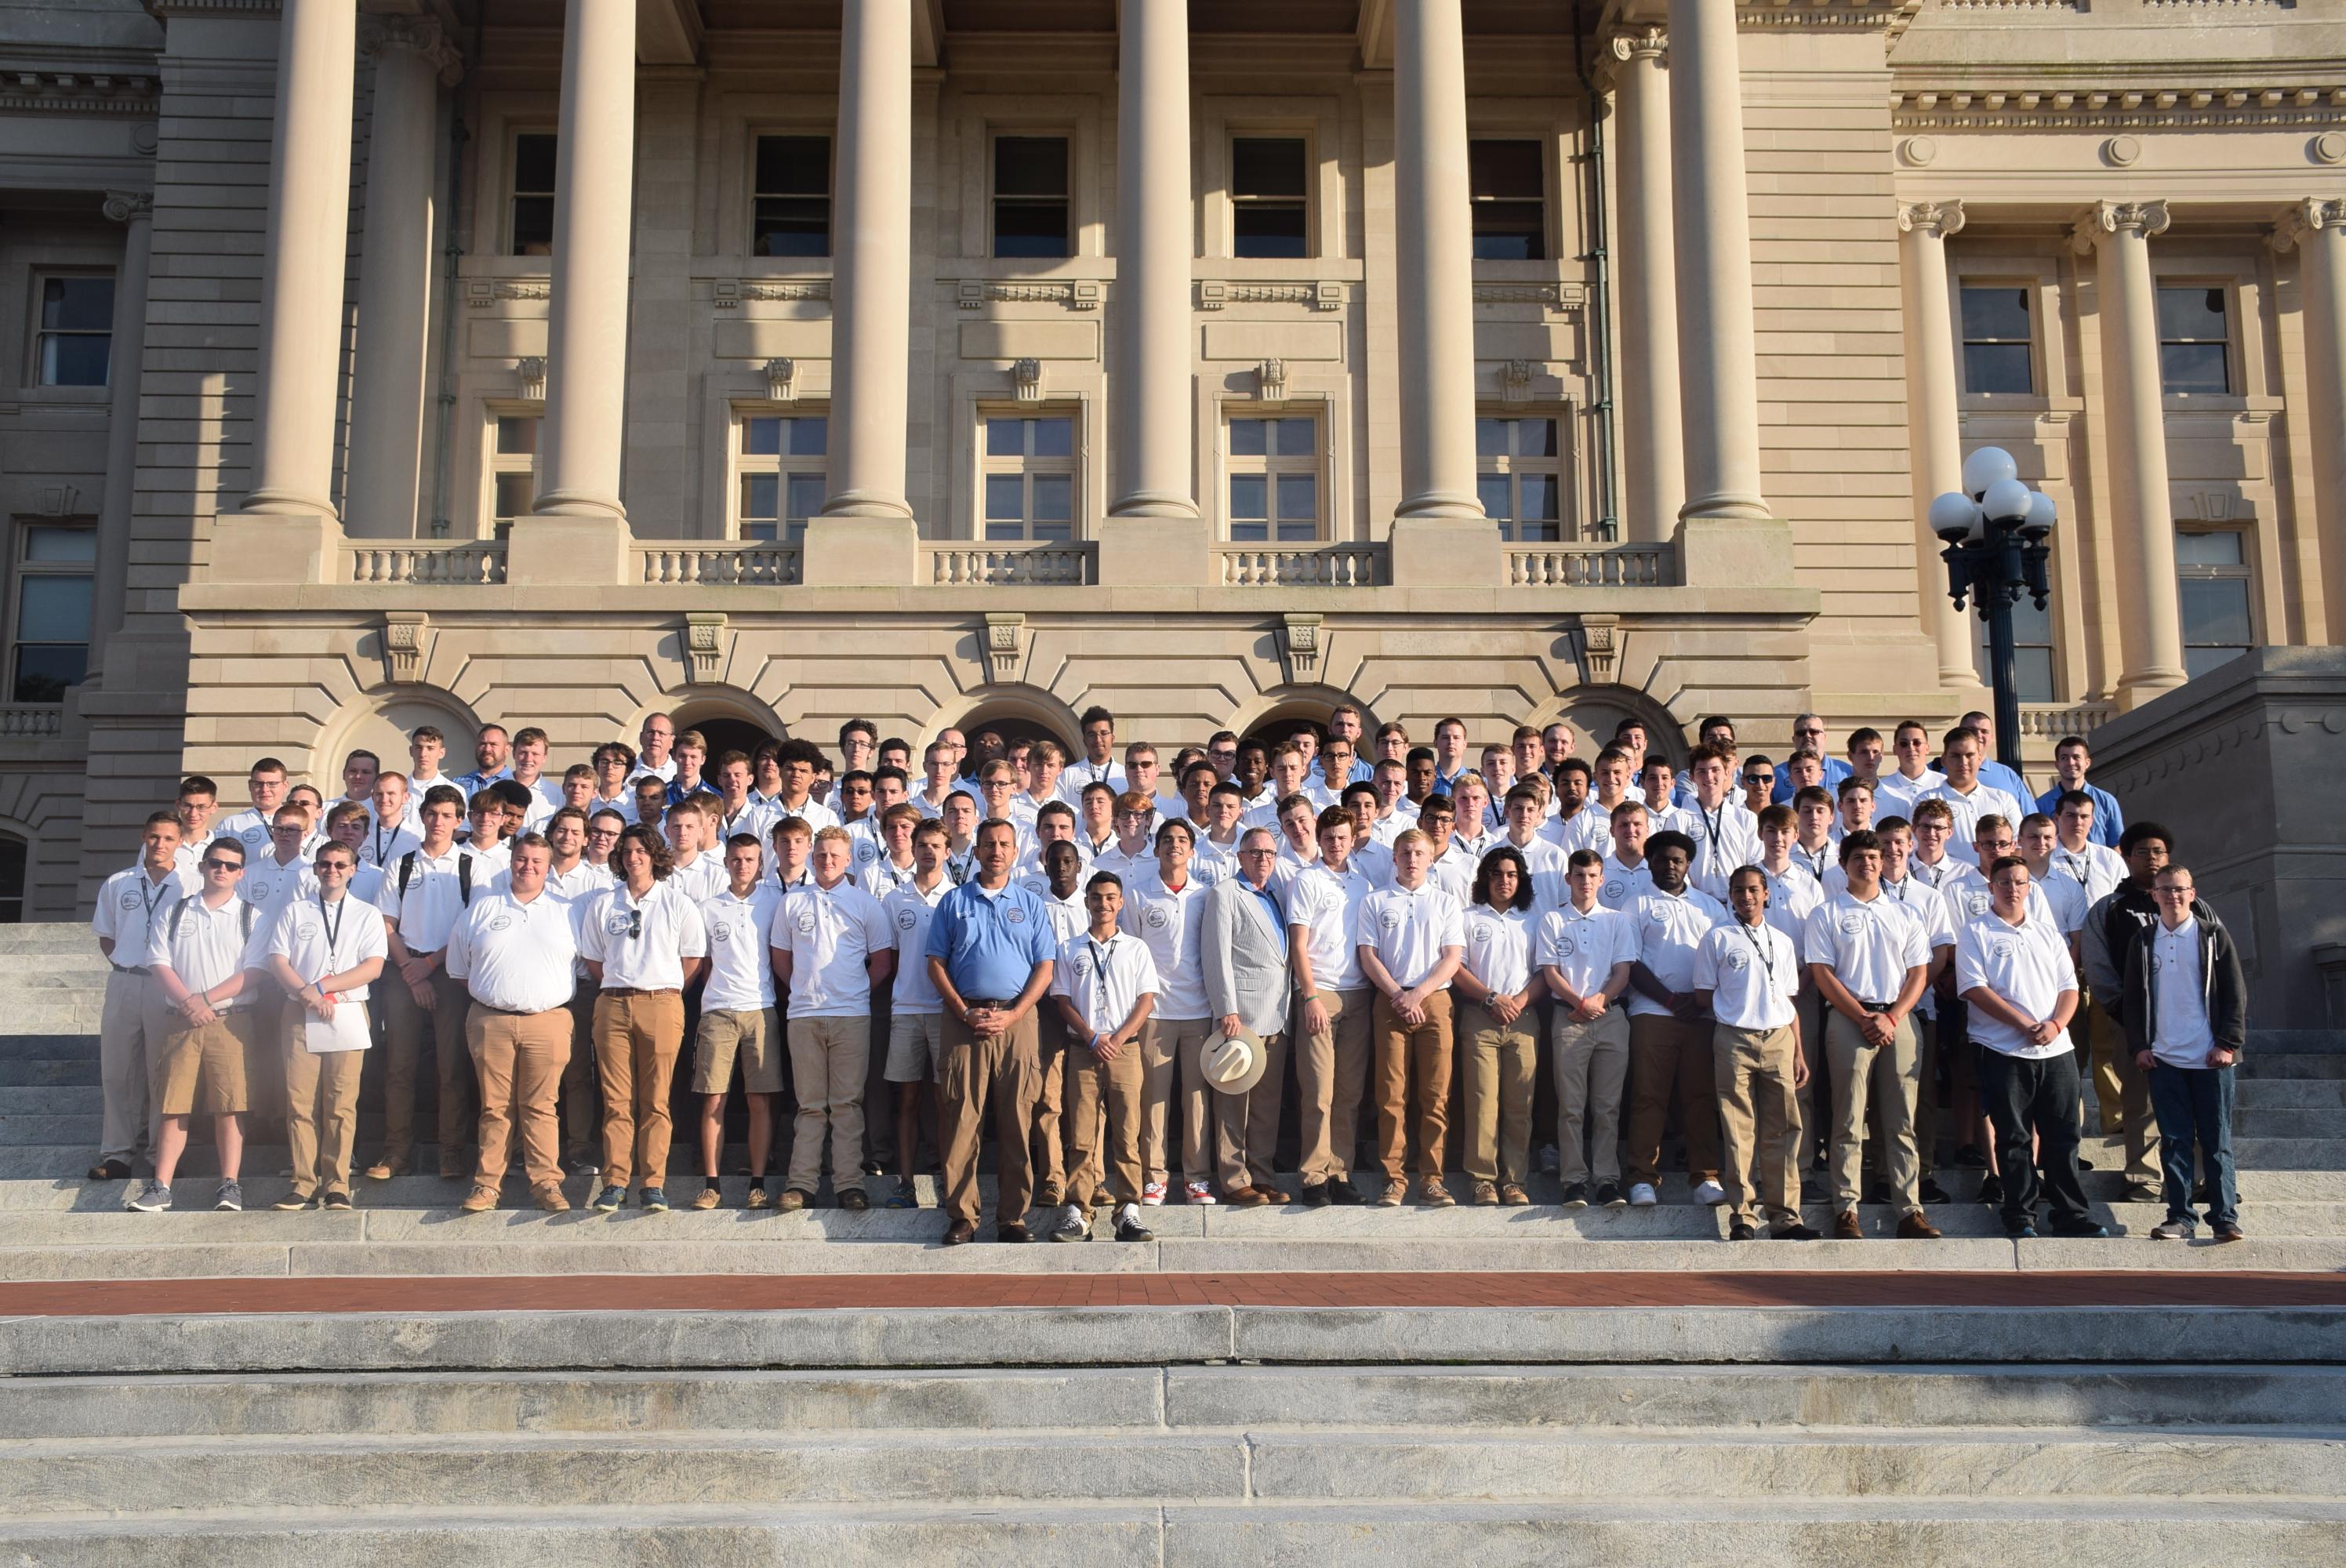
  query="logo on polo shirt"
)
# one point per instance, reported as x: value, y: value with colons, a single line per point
x: 1565, y: 947
x: 501, y: 923
x: 1482, y: 933
x: 866, y: 850
x: 1156, y: 919
x: 254, y: 835
x: 718, y: 930
x: 2003, y: 947
x: 1014, y: 915
x: 305, y: 930
x: 1613, y: 887
x: 255, y: 890
x: 130, y: 901
x: 906, y: 920
x: 1660, y: 915
x: 616, y: 924
x: 806, y: 923
x: 1851, y: 923
x: 1389, y: 920
x: 1737, y: 960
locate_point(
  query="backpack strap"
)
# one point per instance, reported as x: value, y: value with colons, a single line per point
x: 407, y: 870
x: 464, y: 880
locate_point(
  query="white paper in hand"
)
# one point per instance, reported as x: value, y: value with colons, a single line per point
x: 347, y: 1031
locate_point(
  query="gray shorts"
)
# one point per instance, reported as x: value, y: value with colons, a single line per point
x: 752, y: 1036
x: 914, y: 1040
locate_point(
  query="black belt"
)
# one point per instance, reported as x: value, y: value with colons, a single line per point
x: 130, y: 969
x: 1877, y: 1006
x: 970, y: 1003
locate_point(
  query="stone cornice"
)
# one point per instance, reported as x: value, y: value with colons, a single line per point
x: 1799, y: 14
x: 166, y: 9
x: 50, y: 91
x: 1937, y: 220
x: 2104, y: 219
x: 2017, y: 107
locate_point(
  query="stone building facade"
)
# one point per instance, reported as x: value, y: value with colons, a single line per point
x: 772, y: 361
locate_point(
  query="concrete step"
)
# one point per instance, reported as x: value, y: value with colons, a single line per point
x: 18, y: 1072
x: 2291, y: 1066
x: 26, y: 1041
x: 2262, y: 1095
x: 2305, y: 1041
x: 2310, y: 1123
x: 1121, y: 1399
x: 52, y: 1099
x: 46, y: 937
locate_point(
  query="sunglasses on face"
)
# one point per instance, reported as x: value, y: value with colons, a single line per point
x: 212, y: 865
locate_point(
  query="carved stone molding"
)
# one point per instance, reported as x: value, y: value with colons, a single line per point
x: 60, y: 500
x: 1644, y: 44
x: 1005, y: 645
x: 1600, y: 649
x: 729, y: 293
x: 2104, y: 219
x: 1561, y: 298
x: 482, y: 292
x: 1215, y: 294
x: 530, y: 371
x: 782, y: 380
x: 1271, y: 381
x: 704, y: 643
x: 1933, y: 220
x: 1298, y: 648
x: 402, y: 645
x: 2116, y: 106
x: 417, y: 35
x: 123, y: 206
x: 1026, y: 380
x: 1075, y: 294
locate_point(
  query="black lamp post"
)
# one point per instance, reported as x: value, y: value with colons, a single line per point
x: 1996, y: 551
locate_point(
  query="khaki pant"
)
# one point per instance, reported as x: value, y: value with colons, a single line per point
x: 828, y: 1058
x: 201, y: 1070
x: 158, y: 1021
x: 1502, y: 1063
x: 582, y: 1111
x: 1331, y: 1069
x: 410, y: 1029
x: 1671, y: 1059
x: 1046, y: 1144
x: 1752, y: 1071
x: 1592, y: 1064
x: 1404, y: 1052
x: 321, y: 1107
x: 1094, y: 1089
x: 2108, y: 1040
x: 123, y: 1128
x: 1889, y: 1075
x: 2107, y: 1045
x: 1164, y: 1041
x: 636, y: 1038
x: 1810, y: 1007
x: 1262, y: 1103
x: 264, y: 1053
x: 520, y: 1057
x: 974, y: 1070
x: 1215, y: 1126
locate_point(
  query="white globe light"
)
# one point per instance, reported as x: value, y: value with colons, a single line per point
x: 2041, y: 515
x: 1954, y: 516
x: 2006, y: 500
x: 1985, y: 466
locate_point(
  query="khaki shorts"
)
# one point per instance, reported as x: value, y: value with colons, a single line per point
x: 914, y: 1040
x: 209, y: 1059
x: 751, y: 1035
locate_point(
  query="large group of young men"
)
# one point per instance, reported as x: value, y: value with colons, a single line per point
x: 1817, y: 970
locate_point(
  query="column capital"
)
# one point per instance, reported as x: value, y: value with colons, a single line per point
x: 2311, y: 215
x: 417, y: 35
x: 2105, y: 218
x: 128, y: 206
x: 1641, y: 43
x: 1932, y: 219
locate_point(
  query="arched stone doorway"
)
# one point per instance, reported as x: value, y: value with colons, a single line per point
x: 1595, y: 712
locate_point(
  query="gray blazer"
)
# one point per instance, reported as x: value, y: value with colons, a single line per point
x: 1244, y: 951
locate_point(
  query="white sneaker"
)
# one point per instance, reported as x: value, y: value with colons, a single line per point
x: 1710, y: 1192
x: 1153, y: 1194
x: 1643, y: 1195
x: 1200, y: 1192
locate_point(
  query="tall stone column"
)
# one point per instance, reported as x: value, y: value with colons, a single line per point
x: 871, y: 279
x: 1433, y: 222
x: 1654, y: 441
x: 1155, y: 229
x: 135, y: 209
x: 1936, y: 435
x: 302, y: 259
x: 387, y: 394
x: 587, y: 327
x: 2141, y: 514
x: 2316, y: 229
x: 1719, y: 383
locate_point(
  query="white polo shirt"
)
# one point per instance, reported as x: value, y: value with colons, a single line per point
x: 667, y: 928
x: 2179, y: 996
x: 514, y: 956
x: 1499, y: 947
x: 1624, y: 885
x: 1586, y: 946
x: 704, y: 878
x: 1868, y: 943
x: 1104, y: 980
x: 1327, y: 907
x: 1895, y: 794
x: 1931, y: 913
x: 1752, y: 973
x: 381, y: 846
x: 752, y: 818
x: 1985, y: 800
x: 1171, y: 922
x: 129, y: 902
x: 1082, y: 771
x: 319, y: 939
x: 1586, y: 828
x: 909, y: 911
x: 248, y: 827
x: 2098, y: 869
x: 1968, y: 896
x: 205, y: 946
x: 1820, y: 859
x: 883, y: 876
x: 2028, y: 965
x: 1068, y: 915
x: 1724, y: 838
x: 812, y: 811
x: 1793, y: 895
x: 434, y: 897
x: 830, y: 934
x: 1547, y: 865
x: 741, y: 964
x: 1374, y: 861
x: 1407, y: 929
x: 1669, y: 932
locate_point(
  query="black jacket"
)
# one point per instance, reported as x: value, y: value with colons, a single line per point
x: 2224, y: 989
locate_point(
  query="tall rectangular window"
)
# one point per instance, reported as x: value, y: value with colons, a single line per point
x: 50, y: 629
x: 2195, y: 341
x: 1998, y: 346
x: 791, y: 215
x: 1520, y: 478
x: 1030, y: 210
x: 2212, y: 573
x: 1030, y: 476
x: 76, y: 331
x: 784, y: 474
x: 2031, y: 650
x: 1270, y: 206
x: 533, y: 194
x: 513, y: 469
x: 1274, y: 478
x: 1508, y: 182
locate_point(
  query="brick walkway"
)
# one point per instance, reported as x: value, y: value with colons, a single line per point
x: 753, y: 1293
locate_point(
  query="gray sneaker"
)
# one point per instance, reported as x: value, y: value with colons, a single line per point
x: 151, y: 1198
x: 229, y: 1197
x: 2174, y: 1230
x: 1074, y: 1224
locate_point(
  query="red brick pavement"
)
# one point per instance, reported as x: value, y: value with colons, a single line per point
x: 755, y: 1293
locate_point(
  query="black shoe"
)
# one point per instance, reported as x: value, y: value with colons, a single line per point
x: 1314, y: 1194
x: 1344, y: 1194
x: 2021, y: 1231
x: 2084, y: 1164
x: 1878, y: 1192
x: 958, y: 1232
x: 2080, y: 1230
x: 1608, y: 1196
x: 1934, y: 1192
x: 1970, y: 1158
x: 1742, y: 1231
x: 109, y: 1170
x: 1794, y: 1233
x: 1576, y: 1196
x: 1991, y: 1189
x: 338, y: 1200
x: 1015, y: 1231
x: 1133, y: 1230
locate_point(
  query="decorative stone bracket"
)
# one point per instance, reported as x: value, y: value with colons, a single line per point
x: 1005, y: 645
x: 1270, y: 378
x: 1298, y: 648
x: 781, y: 379
x: 704, y: 643
x: 402, y: 645
x: 531, y: 371
x: 1600, y: 649
x: 1026, y: 379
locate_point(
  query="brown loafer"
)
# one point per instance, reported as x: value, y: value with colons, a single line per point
x: 853, y: 1201
x: 1513, y: 1197
x: 707, y: 1197
x: 1434, y: 1194
x: 480, y: 1200
x: 383, y: 1170
x: 1916, y: 1226
x: 959, y: 1231
x: 1246, y: 1198
x: 1486, y: 1195
x: 1845, y: 1226
x: 1396, y: 1192
x: 550, y: 1200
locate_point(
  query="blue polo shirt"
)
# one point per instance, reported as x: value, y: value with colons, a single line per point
x: 1835, y: 771
x: 2110, y: 819
x: 991, y: 943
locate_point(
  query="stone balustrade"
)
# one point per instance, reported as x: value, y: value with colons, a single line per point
x: 780, y: 565
x: 1589, y: 566
x: 957, y: 563
x: 472, y: 561
x: 31, y: 720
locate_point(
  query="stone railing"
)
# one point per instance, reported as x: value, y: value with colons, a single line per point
x: 2052, y: 720
x: 774, y: 564
x: 1305, y: 566
x: 31, y: 718
x: 961, y: 565
x: 474, y: 561
x: 1588, y: 566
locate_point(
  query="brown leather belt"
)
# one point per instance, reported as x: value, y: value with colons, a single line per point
x: 642, y: 990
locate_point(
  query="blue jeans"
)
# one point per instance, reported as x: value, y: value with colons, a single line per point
x: 2193, y: 1106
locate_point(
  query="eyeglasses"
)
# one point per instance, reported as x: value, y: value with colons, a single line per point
x: 212, y: 865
